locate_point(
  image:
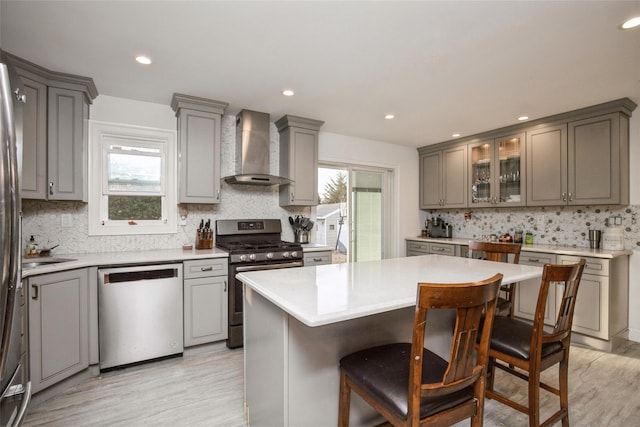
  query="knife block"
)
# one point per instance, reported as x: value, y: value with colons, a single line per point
x: 204, y: 239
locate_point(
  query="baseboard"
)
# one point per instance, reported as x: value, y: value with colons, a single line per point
x: 634, y: 335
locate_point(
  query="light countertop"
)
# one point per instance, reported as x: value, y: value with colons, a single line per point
x: 103, y: 259
x: 321, y: 295
x: 554, y: 249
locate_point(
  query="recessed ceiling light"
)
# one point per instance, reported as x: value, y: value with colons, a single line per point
x: 143, y: 60
x: 631, y: 23
x: 521, y: 118
x: 456, y: 135
x: 287, y: 92
x: 389, y: 116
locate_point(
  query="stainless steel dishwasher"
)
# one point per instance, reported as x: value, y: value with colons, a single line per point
x: 140, y: 313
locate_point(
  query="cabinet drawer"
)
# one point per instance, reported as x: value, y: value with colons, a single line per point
x: 317, y: 258
x: 536, y: 258
x: 418, y: 246
x: 597, y: 266
x: 205, y: 268
x: 441, y: 249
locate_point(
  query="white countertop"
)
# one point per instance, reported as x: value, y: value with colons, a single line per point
x: 321, y: 295
x: 315, y: 247
x: 553, y: 249
x: 101, y: 259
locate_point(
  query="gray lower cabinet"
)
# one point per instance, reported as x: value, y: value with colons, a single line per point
x: 317, y: 258
x: 205, y: 301
x: 415, y: 248
x: 55, y: 122
x: 299, y: 160
x: 199, y: 134
x: 526, y: 292
x: 601, y: 310
x: 58, y: 326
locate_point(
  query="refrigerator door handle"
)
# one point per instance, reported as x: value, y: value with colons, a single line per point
x: 25, y: 403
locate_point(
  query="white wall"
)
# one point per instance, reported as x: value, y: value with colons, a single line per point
x: 403, y: 160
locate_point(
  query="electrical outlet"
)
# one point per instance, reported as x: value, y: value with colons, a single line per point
x: 540, y: 222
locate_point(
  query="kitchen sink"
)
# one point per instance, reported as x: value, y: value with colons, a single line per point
x: 38, y: 262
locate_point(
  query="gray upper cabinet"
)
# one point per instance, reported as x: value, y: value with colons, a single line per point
x: 67, y: 144
x: 34, y: 141
x: 55, y: 122
x: 199, y: 133
x: 443, y: 178
x: 299, y: 160
x: 547, y: 166
x: 583, y: 162
x: 576, y: 158
x: 496, y: 172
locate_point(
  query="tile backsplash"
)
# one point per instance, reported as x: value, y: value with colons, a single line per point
x: 564, y: 226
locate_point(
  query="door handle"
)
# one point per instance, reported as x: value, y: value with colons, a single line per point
x: 35, y: 292
x: 51, y: 188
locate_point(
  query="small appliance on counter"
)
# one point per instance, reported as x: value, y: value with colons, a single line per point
x: 613, y: 234
x: 436, y: 227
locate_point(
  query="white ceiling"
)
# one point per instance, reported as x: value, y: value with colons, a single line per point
x: 440, y: 67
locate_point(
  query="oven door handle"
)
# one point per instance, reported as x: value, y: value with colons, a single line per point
x: 269, y: 266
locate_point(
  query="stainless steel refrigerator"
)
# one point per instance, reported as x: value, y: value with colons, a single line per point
x: 14, y: 373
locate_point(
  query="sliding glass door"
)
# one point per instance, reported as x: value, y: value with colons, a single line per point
x: 354, y: 216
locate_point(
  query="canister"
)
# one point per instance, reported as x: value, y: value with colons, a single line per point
x: 613, y: 239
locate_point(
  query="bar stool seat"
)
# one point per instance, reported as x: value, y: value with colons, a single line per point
x: 383, y: 372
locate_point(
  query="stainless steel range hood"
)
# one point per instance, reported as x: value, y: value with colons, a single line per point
x: 252, y: 151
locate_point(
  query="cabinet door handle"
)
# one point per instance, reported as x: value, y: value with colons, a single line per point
x: 35, y: 292
x: 218, y: 195
x: 570, y: 197
x: 292, y: 198
x: 208, y: 268
x: 51, y: 188
x: 225, y: 286
x: 534, y: 260
x: 317, y: 259
x: 564, y: 196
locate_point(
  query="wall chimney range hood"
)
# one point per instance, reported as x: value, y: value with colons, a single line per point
x: 252, y: 151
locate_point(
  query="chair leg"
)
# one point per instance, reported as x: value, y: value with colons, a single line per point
x: 491, y: 370
x: 344, y: 402
x: 534, y: 398
x: 478, y: 419
x: 563, y: 371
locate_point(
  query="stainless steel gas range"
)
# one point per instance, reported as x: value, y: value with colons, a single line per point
x: 253, y: 244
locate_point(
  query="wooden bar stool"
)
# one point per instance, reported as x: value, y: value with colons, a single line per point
x: 499, y: 252
x: 410, y: 385
x: 527, y: 350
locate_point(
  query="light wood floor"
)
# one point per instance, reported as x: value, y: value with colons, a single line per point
x: 207, y: 390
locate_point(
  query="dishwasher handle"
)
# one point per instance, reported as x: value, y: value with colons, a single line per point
x: 135, y: 276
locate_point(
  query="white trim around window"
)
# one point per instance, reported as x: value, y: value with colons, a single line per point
x: 148, y: 143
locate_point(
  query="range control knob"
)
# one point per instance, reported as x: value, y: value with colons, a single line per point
x: 269, y: 255
x: 252, y: 257
x: 285, y: 255
x: 243, y: 258
x: 294, y: 254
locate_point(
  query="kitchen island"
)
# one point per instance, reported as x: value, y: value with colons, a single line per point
x: 300, y: 322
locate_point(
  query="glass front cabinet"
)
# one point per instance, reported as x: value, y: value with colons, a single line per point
x: 496, y: 167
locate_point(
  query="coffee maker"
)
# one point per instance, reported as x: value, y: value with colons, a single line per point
x: 436, y: 227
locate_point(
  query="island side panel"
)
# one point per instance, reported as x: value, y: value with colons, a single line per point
x: 314, y: 355
x: 265, y: 342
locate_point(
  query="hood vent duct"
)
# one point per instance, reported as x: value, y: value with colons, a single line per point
x: 252, y: 151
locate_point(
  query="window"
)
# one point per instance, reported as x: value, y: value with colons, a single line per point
x: 132, y: 180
